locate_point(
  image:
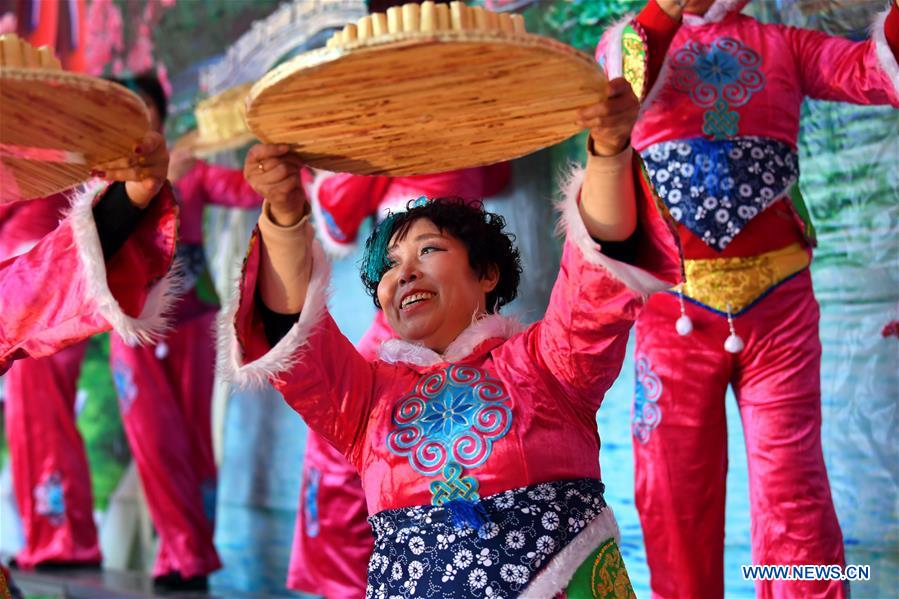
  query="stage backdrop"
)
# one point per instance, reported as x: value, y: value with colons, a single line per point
x: 849, y: 179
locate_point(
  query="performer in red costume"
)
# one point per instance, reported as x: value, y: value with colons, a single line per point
x: 474, y: 436
x: 106, y: 265
x: 165, y: 392
x: 165, y: 396
x: 727, y: 169
x: 333, y: 540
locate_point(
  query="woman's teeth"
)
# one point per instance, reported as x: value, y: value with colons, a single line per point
x: 415, y: 298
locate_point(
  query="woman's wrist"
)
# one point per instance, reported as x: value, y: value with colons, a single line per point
x: 607, y: 148
x: 284, y: 218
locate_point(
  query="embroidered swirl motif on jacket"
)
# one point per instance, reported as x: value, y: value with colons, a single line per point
x: 719, y: 77
x: 450, y: 422
x: 647, y: 413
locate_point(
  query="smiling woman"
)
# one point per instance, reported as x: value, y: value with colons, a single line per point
x: 474, y: 436
x: 444, y: 257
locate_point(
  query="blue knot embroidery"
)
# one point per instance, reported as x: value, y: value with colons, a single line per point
x: 450, y: 422
x: 719, y: 77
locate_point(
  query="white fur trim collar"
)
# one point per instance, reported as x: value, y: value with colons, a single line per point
x: 572, y: 225
x: 716, y: 12
x: 494, y: 326
x: 288, y: 351
x: 152, y: 322
x: 884, y: 54
x: 559, y: 571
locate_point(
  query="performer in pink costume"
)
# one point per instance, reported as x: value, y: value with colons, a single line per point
x: 332, y: 539
x: 746, y: 316
x: 165, y: 396
x: 475, y: 437
x: 86, y: 278
x: 106, y: 265
x: 165, y: 392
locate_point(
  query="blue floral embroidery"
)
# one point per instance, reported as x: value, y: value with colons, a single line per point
x: 209, y: 493
x: 647, y: 413
x: 50, y: 500
x: 419, y: 553
x: 718, y: 77
x: 450, y: 422
x: 310, y: 502
x: 714, y: 188
x: 124, y: 384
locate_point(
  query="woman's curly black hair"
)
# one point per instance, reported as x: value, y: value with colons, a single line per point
x: 481, y: 232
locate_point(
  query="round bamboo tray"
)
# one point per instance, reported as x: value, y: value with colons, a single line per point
x: 425, y: 102
x: 56, y: 126
x: 203, y: 149
x: 221, y: 122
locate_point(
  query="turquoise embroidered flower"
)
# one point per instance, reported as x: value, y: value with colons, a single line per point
x: 719, y: 77
x: 647, y: 413
x: 718, y: 68
x: 452, y: 416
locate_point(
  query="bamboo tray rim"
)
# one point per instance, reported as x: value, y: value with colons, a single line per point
x: 324, y: 55
x: 67, y: 79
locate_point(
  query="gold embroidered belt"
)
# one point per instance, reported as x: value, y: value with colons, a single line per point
x: 733, y: 284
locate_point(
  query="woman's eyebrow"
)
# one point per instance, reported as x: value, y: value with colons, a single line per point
x: 421, y: 237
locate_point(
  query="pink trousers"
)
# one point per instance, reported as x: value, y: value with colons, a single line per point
x: 680, y: 442
x: 49, y: 465
x: 167, y: 412
x: 332, y: 540
x: 166, y: 409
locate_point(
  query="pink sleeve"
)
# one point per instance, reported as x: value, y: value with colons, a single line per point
x: 62, y: 291
x: 377, y: 333
x: 469, y: 183
x: 838, y: 69
x: 340, y: 203
x: 582, y: 338
x: 227, y: 187
x: 317, y: 370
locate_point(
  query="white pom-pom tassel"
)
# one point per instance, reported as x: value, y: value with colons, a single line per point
x: 734, y: 343
x: 684, y: 326
x: 161, y: 351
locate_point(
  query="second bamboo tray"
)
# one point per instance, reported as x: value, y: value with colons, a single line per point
x: 418, y: 103
x: 55, y: 126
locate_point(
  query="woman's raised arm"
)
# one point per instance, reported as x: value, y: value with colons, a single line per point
x: 286, y: 233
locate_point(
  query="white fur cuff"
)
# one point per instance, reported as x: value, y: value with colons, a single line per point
x: 152, y: 323
x: 885, y: 57
x: 574, y: 229
x: 288, y: 351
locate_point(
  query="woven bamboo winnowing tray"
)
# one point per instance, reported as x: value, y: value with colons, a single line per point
x: 221, y: 122
x: 420, y: 102
x: 55, y: 126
